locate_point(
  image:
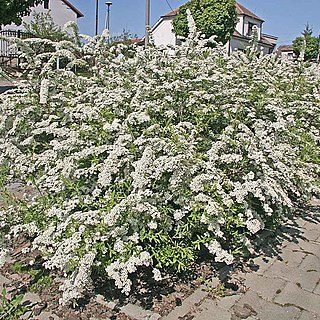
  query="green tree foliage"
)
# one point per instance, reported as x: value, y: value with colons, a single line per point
x: 307, y: 31
x: 311, y: 43
x: 212, y: 17
x: 13, y: 10
x: 125, y: 37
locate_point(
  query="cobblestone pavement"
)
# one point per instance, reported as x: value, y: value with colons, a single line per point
x: 285, y: 284
x: 282, y: 283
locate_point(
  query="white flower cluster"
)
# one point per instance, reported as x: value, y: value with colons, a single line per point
x: 3, y: 256
x: 148, y: 153
x: 44, y: 91
x: 80, y: 280
x: 119, y: 271
x: 220, y: 254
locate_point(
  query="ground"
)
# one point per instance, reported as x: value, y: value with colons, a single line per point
x: 281, y: 282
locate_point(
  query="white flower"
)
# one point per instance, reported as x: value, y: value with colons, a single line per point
x: 254, y: 225
x: 153, y: 225
x: 179, y: 214
x: 173, y: 136
x: 221, y: 255
x: 44, y: 91
x: 250, y: 175
x: 3, y: 256
x: 157, y: 274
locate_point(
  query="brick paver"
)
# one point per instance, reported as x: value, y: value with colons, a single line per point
x: 267, y: 310
x: 292, y: 294
x: 305, y: 315
x: 317, y: 289
x: 285, y: 287
x: 291, y: 258
x: 310, y: 263
x: 266, y: 287
x: 307, y: 280
x: 210, y: 311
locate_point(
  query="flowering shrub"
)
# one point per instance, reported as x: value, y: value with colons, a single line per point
x: 151, y: 160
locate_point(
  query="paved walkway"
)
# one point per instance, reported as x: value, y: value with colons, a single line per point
x: 283, y: 283
x: 5, y: 85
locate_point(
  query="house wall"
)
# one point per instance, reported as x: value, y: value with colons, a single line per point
x: 60, y: 13
x: 239, y: 44
x: 266, y: 50
x: 239, y: 26
x: 246, y: 25
x: 289, y: 55
x: 163, y: 34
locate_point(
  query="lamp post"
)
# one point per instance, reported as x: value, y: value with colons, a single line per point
x: 109, y: 4
x: 147, y: 34
x: 97, y: 16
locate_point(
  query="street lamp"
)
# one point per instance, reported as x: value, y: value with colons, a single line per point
x: 109, y: 4
x: 97, y: 16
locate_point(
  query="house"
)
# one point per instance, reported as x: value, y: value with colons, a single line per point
x: 163, y: 34
x: 286, y: 51
x: 61, y: 11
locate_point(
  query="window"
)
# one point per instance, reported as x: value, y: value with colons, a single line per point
x: 46, y: 4
x: 250, y: 28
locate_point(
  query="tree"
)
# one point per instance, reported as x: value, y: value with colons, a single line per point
x: 125, y: 37
x: 13, y: 10
x: 212, y: 17
x: 307, y: 30
x: 311, y: 43
x: 43, y: 26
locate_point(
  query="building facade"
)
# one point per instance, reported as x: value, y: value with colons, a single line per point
x: 163, y: 34
x: 61, y: 11
x: 287, y: 51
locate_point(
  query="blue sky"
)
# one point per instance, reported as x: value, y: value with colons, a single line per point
x: 283, y: 18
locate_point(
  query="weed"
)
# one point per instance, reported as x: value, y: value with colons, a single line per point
x: 11, y: 309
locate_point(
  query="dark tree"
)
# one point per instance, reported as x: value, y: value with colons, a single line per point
x: 11, y: 11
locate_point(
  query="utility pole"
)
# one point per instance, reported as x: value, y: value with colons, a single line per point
x: 318, y: 56
x: 147, y: 34
x: 97, y: 16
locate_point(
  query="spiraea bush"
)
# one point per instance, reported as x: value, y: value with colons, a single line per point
x: 156, y: 159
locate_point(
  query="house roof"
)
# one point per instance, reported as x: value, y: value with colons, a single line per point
x: 285, y: 48
x: 241, y: 10
x: 264, y: 38
x: 171, y: 13
x: 72, y: 7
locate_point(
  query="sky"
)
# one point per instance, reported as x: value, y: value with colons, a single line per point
x: 283, y: 18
